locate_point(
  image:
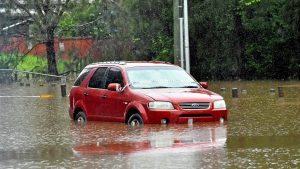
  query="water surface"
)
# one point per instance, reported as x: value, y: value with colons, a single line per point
x: 262, y: 131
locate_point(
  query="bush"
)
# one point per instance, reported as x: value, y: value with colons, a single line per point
x: 9, y: 61
x: 28, y: 63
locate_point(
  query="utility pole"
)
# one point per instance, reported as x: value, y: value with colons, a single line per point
x: 181, y: 28
x: 186, y: 36
x: 181, y: 42
x: 176, y: 33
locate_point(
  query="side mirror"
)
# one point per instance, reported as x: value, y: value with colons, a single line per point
x: 114, y: 87
x: 204, y: 85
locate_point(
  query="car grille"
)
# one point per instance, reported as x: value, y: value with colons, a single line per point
x: 195, y: 105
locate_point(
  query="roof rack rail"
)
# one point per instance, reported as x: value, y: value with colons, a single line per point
x: 110, y: 62
x: 159, y: 62
x: 124, y: 62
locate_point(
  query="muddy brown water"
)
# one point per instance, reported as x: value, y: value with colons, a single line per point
x: 263, y: 131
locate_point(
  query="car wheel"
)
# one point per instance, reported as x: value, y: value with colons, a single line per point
x: 80, y: 118
x: 135, y: 120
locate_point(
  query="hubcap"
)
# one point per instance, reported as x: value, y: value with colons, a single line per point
x: 134, y: 122
x: 80, y: 120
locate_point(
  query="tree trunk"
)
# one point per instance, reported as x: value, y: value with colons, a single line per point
x: 52, y: 67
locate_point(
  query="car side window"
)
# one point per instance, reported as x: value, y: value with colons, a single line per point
x: 114, y: 76
x: 81, y: 77
x: 97, y: 80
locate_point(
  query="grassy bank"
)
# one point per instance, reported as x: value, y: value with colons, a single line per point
x: 30, y: 63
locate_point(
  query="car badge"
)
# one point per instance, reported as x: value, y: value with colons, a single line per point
x: 196, y: 105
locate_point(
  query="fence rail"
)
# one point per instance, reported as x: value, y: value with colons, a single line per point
x: 14, y: 76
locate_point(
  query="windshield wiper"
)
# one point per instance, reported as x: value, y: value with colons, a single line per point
x: 189, y: 87
x: 161, y: 87
x: 155, y: 87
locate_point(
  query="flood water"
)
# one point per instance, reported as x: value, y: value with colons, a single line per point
x: 263, y: 131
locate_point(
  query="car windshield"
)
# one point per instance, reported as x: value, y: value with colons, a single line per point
x: 160, y: 77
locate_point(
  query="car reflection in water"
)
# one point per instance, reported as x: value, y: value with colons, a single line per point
x: 113, y: 139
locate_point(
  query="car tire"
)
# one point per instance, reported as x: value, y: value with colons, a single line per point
x: 80, y: 118
x: 135, y: 120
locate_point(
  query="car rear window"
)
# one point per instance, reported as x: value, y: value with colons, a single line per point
x: 81, y: 76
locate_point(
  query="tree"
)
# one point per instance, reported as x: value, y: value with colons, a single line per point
x: 151, y: 28
x: 46, y: 15
x: 292, y: 18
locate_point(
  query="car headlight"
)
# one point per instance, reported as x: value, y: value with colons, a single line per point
x: 161, y: 105
x: 220, y: 104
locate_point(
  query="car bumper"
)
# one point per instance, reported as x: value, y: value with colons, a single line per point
x: 177, y: 116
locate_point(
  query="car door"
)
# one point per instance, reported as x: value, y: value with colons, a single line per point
x: 94, y: 95
x: 116, y: 101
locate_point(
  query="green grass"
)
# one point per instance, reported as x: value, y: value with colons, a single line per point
x: 28, y: 63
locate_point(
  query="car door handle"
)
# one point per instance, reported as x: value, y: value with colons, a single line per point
x: 85, y: 94
x: 103, y: 97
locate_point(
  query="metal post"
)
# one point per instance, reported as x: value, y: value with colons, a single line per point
x: 186, y: 36
x: 27, y: 80
x: 63, y: 88
x: 16, y: 77
x: 272, y: 92
x: 181, y: 42
x: 223, y: 89
x: 235, y: 93
x: 280, y: 91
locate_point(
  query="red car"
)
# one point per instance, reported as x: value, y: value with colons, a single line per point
x: 139, y: 93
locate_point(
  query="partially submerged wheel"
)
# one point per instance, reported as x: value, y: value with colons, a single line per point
x: 80, y: 118
x: 135, y: 120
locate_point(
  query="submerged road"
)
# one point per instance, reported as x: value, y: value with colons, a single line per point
x: 263, y: 131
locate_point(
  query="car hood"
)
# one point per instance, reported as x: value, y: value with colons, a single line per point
x: 181, y: 95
